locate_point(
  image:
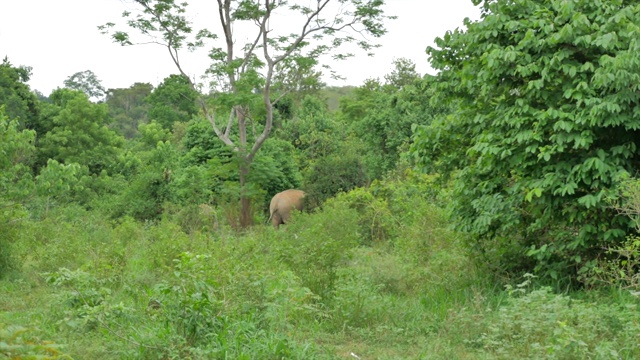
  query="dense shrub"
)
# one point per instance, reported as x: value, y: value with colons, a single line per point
x: 315, y: 245
x: 539, y: 324
x: 543, y: 124
x: 331, y: 175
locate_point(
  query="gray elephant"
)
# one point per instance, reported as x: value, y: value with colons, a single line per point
x: 282, y: 204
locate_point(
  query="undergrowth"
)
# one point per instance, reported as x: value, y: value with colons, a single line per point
x: 375, y: 274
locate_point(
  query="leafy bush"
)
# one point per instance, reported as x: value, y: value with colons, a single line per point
x: 80, y: 133
x: 313, y: 132
x: 538, y: 324
x: 377, y: 223
x: 192, y: 303
x: 542, y: 131
x: 84, y: 300
x: 150, y: 188
x: 17, y: 342
x: 314, y: 245
x: 10, y: 228
x: 331, y: 175
x: 388, y: 208
x: 358, y: 301
x: 209, y: 320
x: 618, y: 267
x: 16, y: 147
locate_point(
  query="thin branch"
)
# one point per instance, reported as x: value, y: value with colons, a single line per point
x: 285, y: 93
x: 230, y: 123
x: 176, y: 60
x: 248, y: 54
x: 225, y: 19
x: 306, y: 31
x: 267, y: 86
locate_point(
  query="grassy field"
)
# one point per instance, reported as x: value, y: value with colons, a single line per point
x: 353, y: 281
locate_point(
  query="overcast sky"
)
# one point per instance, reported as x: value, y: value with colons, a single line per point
x: 59, y: 38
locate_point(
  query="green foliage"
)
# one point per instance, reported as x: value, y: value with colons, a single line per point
x: 312, y: 131
x: 192, y: 303
x: 60, y: 183
x: 128, y: 108
x: 382, y: 115
x: 404, y: 74
x: 376, y: 222
x: 334, y: 94
x: 331, y: 175
x: 198, y: 218
x: 174, y: 100
x: 16, y: 153
x: 84, y: 300
x: 359, y: 302
x: 617, y: 268
x: 545, y: 124
x: 626, y: 199
x: 247, y: 84
x: 275, y: 168
x: 16, y: 148
x: 17, y: 342
x: 315, y: 245
x: 539, y: 324
x: 79, y: 134
x: 153, y: 133
x: 150, y: 186
x: 87, y: 82
x: 204, y: 326
x: 201, y: 144
x: 19, y: 102
x: 385, y: 206
x: 194, y: 185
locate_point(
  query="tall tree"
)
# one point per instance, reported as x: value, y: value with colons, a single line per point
x: 404, y: 73
x: 16, y: 96
x: 381, y: 115
x: 79, y: 133
x: 16, y: 149
x: 172, y: 101
x: 87, y: 82
x: 548, y: 121
x: 243, y: 79
x: 128, y: 108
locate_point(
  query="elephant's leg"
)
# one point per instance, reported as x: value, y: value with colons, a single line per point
x: 276, y: 219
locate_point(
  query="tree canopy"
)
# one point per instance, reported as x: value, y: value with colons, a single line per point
x: 87, y: 82
x: 16, y: 96
x: 247, y: 82
x: 547, y: 122
x: 80, y: 134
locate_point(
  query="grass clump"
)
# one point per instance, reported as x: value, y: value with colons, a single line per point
x: 536, y: 323
x: 376, y: 273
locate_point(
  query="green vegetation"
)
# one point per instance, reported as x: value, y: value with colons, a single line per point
x: 488, y: 212
x: 544, y: 116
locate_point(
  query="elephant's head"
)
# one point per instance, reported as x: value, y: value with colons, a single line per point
x: 282, y: 204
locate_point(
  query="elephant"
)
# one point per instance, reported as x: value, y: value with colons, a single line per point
x: 282, y: 204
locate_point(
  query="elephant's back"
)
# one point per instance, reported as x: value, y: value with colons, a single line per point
x: 285, y: 197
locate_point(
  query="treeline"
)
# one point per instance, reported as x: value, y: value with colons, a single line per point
x: 533, y: 131
x: 427, y: 195
x: 144, y: 152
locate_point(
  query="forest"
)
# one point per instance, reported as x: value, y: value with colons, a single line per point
x: 487, y: 211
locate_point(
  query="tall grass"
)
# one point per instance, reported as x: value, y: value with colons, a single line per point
x: 375, y: 274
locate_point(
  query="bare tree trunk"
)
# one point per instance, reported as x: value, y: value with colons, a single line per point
x: 245, y: 201
x: 245, y: 163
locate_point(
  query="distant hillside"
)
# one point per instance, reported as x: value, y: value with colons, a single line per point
x: 332, y: 94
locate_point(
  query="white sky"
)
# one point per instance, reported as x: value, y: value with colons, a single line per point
x: 59, y: 38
